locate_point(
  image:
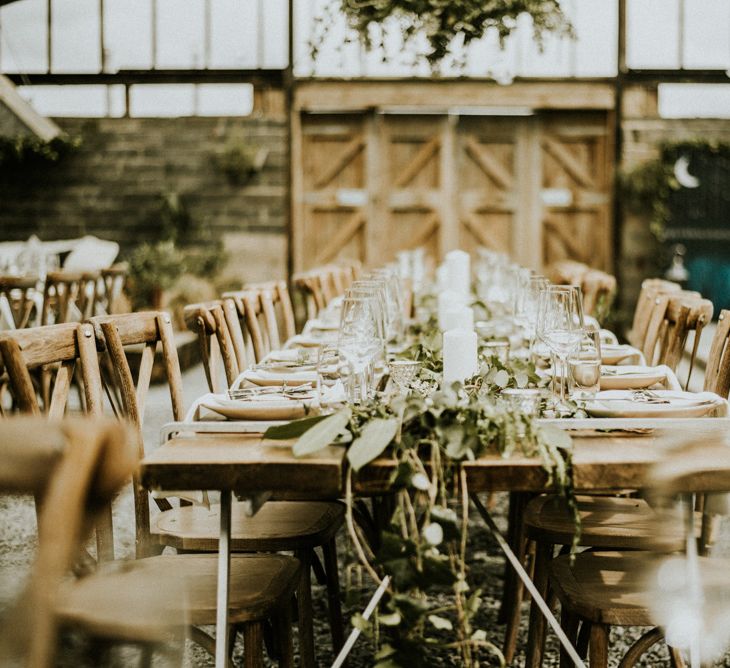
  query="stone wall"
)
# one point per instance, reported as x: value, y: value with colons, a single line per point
x: 641, y: 254
x: 112, y: 187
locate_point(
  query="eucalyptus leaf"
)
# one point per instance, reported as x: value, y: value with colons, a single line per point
x: 322, y: 433
x: 557, y: 437
x: 441, y: 623
x: 373, y: 440
x: 294, y: 429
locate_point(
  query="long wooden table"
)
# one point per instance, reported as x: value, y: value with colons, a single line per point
x: 247, y: 465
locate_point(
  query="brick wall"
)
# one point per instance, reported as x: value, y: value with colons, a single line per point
x: 640, y: 252
x: 111, y: 187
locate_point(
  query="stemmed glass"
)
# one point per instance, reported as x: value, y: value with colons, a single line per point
x: 359, y: 343
x: 526, y: 306
x: 560, y: 324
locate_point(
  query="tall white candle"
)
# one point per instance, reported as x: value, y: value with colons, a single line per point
x: 447, y: 301
x: 458, y: 269
x: 442, y: 278
x: 460, y: 355
x: 458, y: 317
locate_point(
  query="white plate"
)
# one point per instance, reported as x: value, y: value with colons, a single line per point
x: 631, y: 377
x: 269, y: 378
x: 614, y: 354
x: 276, y: 409
x: 618, y: 403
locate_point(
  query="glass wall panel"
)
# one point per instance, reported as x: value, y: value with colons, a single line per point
x: 652, y: 33
x: 23, y: 37
x: 76, y: 39
x: 128, y: 34
x: 180, y: 34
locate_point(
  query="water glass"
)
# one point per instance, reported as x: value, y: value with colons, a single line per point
x: 584, y: 367
x: 330, y: 388
x: 525, y: 401
x: 360, y: 342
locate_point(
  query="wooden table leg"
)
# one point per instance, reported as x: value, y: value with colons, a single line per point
x: 224, y: 567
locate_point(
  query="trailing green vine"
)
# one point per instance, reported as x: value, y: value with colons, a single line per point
x: 425, y: 436
x: 647, y: 187
x: 442, y: 23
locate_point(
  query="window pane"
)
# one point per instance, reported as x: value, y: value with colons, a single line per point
x: 72, y: 101
x: 75, y: 30
x: 596, y: 23
x: 127, y: 34
x: 180, y: 34
x: 225, y: 99
x: 168, y: 100
x: 23, y: 44
x: 652, y: 33
x: 233, y: 34
x: 707, y: 33
x: 694, y: 100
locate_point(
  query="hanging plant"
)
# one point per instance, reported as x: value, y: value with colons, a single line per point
x: 23, y: 154
x: 648, y: 187
x: 442, y: 22
x: 240, y: 162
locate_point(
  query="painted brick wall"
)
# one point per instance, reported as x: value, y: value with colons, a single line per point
x: 111, y: 187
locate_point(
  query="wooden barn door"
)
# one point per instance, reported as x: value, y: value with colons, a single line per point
x: 370, y: 184
x: 577, y: 165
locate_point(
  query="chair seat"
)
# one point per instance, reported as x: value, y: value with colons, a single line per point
x: 606, y: 522
x: 605, y: 587
x: 613, y: 587
x: 278, y: 525
x: 148, y: 599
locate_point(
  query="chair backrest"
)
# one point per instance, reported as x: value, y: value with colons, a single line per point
x: 111, y: 286
x: 208, y: 321
x: 651, y: 288
x: 278, y: 310
x: 76, y: 467
x: 121, y: 336
x: 19, y: 291
x: 682, y: 314
x: 55, y: 349
x: 567, y: 271
x: 717, y: 372
x: 599, y: 290
x: 59, y: 352
x: 256, y: 319
x: 309, y: 285
x: 68, y: 296
x: 656, y: 319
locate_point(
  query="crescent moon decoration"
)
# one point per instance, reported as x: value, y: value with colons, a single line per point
x: 681, y: 173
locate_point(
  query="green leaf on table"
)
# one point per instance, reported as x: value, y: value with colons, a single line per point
x: 375, y: 437
x: 293, y: 429
x: 441, y: 623
x: 557, y: 437
x: 323, y: 433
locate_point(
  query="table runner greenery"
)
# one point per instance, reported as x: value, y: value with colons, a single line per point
x: 428, y: 433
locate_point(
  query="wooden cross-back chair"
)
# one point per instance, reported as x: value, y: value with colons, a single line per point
x: 277, y: 526
x: 717, y: 371
x: 19, y: 291
x: 110, y: 288
x: 75, y: 467
x: 567, y: 272
x: 278, y: 309
x: 309, y: 286
x: 68, y: 296
x: 116, y: 334
x: 208, y: 321
x: 598, y: 590
x: 258, y: 322
x: 673, y: 317
x: 599, y: 290
x: 651, y: 288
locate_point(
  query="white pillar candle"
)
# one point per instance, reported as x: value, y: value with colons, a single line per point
x: 460, y: 355
x: 447, y: 301
x: 458, y: 317
x: 458, y: 268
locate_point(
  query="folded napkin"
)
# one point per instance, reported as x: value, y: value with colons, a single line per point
x: 306, y: 341
x: 287, y: 355
x: 624, y: 376
x: 264, y: 377
x: 622, y: 354
x: 256, y: 407
x: 324, y: 324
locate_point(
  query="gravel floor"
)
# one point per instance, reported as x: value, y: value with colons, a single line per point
x: 17, y: 543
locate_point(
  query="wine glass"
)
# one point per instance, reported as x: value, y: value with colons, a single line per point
x: 560, y: 324
x: 373, y: 292
x: 359, y: 342
x: 526, y: 305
